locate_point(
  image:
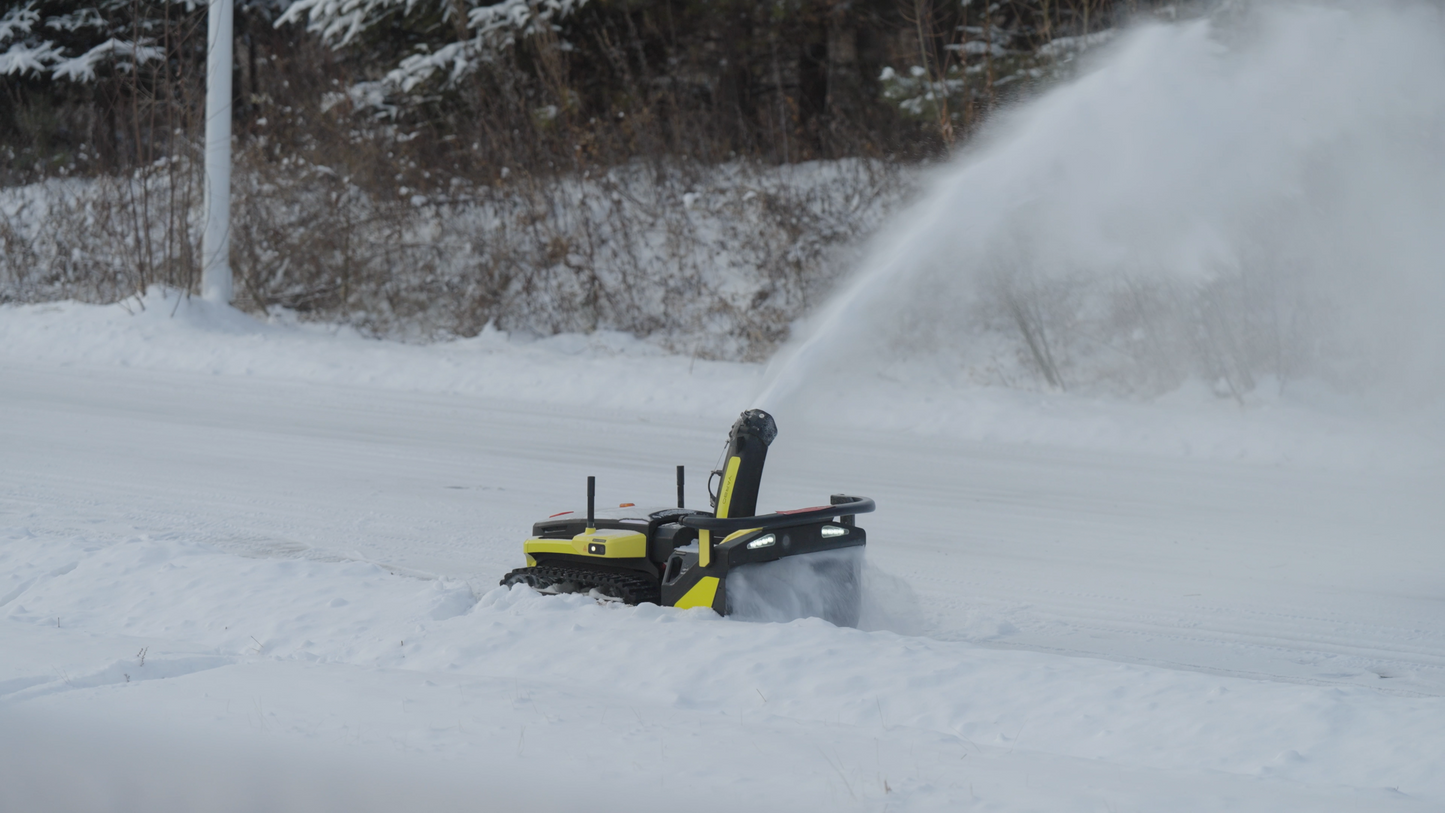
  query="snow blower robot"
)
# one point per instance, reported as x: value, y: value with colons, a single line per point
x: 807, y: 561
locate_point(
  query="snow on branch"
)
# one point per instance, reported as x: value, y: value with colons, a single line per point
x: 512, y: 17
x: 1066, y: 47
x: 18, y: 20
x: 341, y: 21
x: 25, y: 54
x: 76, y: 20
x: 492, y: 27
x: 22, y: 59
x: 82, y: 68
x: 24, y: 50
x: 461, y: 57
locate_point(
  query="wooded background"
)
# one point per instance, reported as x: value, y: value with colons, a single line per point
x: 698, y: 170
x: 607, y: 81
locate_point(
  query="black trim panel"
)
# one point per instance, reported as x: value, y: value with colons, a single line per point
x: 859, y: 505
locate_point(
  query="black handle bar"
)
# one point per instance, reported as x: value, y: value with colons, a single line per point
x: 788, y: 519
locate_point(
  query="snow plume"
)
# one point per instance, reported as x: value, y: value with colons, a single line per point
x: 1247, y: 200
x: 835, y: 585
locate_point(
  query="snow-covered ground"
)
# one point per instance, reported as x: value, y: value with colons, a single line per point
x: 253, y: 567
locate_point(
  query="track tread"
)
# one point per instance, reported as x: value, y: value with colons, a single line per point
x: 631, y: 589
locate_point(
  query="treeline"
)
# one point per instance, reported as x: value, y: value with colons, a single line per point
x: 589, y: 84
x: 427, y: 167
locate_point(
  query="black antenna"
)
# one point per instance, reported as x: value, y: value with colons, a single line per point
x: 679, y: 487
x: 591, y: 500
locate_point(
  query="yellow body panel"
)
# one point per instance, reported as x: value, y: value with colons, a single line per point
x: 724, y: 497
x: 617, y: 543
x: 735, y: 534
x: 730, y: 477
x: 701, y: 594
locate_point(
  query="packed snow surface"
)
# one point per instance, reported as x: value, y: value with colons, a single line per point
x: 252, y: 566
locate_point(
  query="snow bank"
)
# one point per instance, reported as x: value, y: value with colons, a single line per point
x: 189, y: 615
x: 707, y: 260
x: 1304, y: 422
x: 164, y: 331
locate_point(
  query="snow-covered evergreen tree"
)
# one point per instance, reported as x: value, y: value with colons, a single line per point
x: 66, y: 39
x: 455, y: 35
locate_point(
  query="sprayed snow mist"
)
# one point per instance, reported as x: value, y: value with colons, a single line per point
x: 839, y: 586
x: 1247, y: 200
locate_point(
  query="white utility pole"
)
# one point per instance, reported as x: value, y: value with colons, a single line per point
x: 216, y: 240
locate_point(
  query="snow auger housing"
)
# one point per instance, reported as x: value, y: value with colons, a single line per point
x: 680, y: 557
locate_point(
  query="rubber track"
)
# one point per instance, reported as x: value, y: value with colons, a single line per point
x: 631, y: 589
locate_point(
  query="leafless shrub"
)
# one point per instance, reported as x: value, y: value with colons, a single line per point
x: 100, y: 240
x: 713, y: 261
